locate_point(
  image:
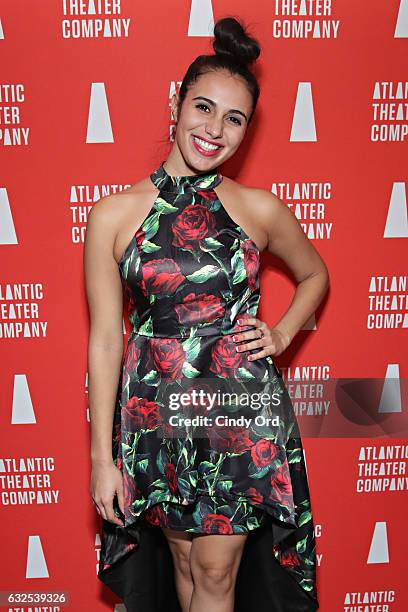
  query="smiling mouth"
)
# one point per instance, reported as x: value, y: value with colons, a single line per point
x: 205, y: 147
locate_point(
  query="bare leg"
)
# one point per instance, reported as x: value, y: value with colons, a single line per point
x: 214, y: 562
x: 180, y: 546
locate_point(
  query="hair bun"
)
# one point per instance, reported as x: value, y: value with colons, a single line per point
x: 230, y: 38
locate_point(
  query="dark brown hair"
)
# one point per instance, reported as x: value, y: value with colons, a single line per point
x: 235, y: 51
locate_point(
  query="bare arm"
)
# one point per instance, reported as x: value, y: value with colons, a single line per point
x: 105, y: 350
x: 287, y: 240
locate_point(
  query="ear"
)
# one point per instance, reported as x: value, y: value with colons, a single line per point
x: 174, y: 106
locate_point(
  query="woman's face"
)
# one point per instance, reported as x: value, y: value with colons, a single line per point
x: 213, y: 119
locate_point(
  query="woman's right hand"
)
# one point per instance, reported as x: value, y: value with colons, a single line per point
x: 106, y: 481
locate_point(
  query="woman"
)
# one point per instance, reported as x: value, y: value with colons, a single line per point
x: 217, y: 517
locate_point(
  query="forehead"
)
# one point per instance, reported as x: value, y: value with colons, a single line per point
x: 225, y: 89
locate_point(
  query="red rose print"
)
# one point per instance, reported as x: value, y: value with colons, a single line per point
x: 254, y: 495
x: 156, y: 516
x: 289, y: 558
x: 167, y: 356
x: 229, y: 439
x: 161, y: 276
x: 200, y: 308
x: 192, y: 225
x: 130, y: 491
x: 226, y: 360
x: 140, y: 236
x: 263, y: 452
x: 281, y: 485
x: 140, y: 413
x: 208, y: 195
x: 132, y: 357
x: 217, y: 523
x: 251, y: 263
x: 171, y: 477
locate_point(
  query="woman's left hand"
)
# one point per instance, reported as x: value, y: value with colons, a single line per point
x: 270, y: 340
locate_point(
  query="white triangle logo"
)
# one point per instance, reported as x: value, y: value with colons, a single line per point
x: 1, y: 31
x: 36, y: 564
x: 99, y: 123
x: 22, y: 410
x: 391, y: 393
x: 379, y: 545
x: 396, y: 225
x: 201, y: 18
x: 303, y: 125
x: 401, y: 28
x: 7, y: 231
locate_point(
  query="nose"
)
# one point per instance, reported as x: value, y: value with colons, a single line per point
x: 213, y: 128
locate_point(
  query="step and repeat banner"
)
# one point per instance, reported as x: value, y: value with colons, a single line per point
x: 85, y: 88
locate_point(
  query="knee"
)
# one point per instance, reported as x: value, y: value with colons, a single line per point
x: 212, y: 578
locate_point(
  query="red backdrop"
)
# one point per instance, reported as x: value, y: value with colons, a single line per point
x: 84, y: 108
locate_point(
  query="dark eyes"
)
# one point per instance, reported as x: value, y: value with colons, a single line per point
x: 234, y: 119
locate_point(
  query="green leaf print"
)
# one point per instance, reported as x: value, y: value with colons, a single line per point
x: 202, y: 275
x: 239, y: 303
x: 301, y: 545
x: 252, y: 522
x: 151, y: 378
x: 141, y: 466
x: 205, y: 466
x: 256, y: 472
x: 245, y: 374
x: 161, y: 459
x: 192, y: 347
x: 189, y: 371
x: 184, y: 487
x: 193, y: 478
x: 215, y: 205
x: 164, y: 207
x: 206, y: 182
x: 201, y: 510
x: 295, y: 455
x: 235, y: 245
x: 151, y: 225
x: 239, y: 529
x: 237, y: 267
x: 224, y: 486
x: 305, y: 517
x: 150, y: 247
x: 147, y: 327
x: 210, y: 244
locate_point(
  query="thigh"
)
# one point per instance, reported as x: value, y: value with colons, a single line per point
x: 218, y: 551
x: 179, y: 543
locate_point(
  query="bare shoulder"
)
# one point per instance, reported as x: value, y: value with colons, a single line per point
x: 113, y: 209
x: 266, y: 203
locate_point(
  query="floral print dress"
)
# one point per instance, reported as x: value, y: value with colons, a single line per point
x: 188, y: 274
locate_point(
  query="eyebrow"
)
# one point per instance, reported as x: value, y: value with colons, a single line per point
x: 232, y: 110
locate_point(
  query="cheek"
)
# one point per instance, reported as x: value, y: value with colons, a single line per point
x: 236, y: 137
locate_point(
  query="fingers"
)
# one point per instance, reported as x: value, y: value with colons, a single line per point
x: 109, y: 513
x: 270, y: 341
x: 105, y: 510
x: 256, y: 337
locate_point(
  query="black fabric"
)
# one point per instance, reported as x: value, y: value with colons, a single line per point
x: 144, y: 579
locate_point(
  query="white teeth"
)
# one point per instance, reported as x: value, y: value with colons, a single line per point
x: 206, y: 145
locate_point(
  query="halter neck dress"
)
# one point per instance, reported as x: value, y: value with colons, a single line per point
x: 189, y: 274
